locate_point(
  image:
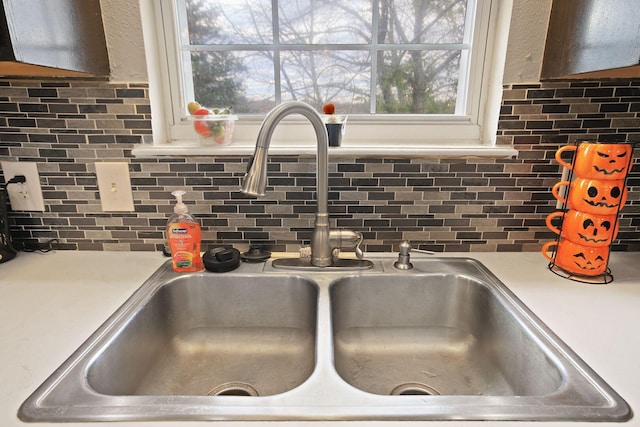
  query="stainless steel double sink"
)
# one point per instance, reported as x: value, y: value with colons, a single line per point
x: 445, y: 340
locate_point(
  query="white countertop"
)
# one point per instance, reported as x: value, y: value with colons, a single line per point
x: 49, y: 304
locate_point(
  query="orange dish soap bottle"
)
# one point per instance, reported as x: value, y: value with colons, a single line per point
x: 184, y: 236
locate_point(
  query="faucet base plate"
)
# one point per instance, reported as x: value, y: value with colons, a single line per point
x: 338, y: 264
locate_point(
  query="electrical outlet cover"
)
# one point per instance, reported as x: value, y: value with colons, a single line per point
x: 114, y: 186
x: 25, y: 196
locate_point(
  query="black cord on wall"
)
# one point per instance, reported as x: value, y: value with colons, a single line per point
x: 6, y: 242
x: 5, y: 235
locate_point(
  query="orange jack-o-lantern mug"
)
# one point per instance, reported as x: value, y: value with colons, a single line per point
x: 585, y: 228
x: 578, y: 259
x: 598, y: 160
x: 593, y: 196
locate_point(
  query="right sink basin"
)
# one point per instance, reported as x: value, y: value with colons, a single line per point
x: 436, y: 335
x: 458, y: 333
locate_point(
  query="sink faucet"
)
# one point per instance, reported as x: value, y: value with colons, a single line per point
x: 324, y: 241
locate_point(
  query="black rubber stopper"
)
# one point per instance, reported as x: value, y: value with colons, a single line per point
x: 255, y: 254
x: 221, y: 259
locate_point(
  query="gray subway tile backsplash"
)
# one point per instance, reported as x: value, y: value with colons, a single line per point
x: 437, y: 203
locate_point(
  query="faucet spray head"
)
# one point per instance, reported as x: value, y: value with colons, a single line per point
x: 254, y: 182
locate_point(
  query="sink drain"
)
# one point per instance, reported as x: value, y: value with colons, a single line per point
x: 411, y: 389
x: 234, y: 389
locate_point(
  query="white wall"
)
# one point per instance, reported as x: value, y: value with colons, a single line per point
x: 523, y: 63
x: 123, y: 32
x: 527, y: 36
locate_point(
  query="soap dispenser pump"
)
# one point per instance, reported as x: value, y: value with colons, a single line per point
x: 180, y: 208
x: 184, y: 237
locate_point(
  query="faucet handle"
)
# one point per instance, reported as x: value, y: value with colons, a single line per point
x: 347, y: 239
x: 357, y: 249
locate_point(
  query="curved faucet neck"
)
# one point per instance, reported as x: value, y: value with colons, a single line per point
x: 264, y: 140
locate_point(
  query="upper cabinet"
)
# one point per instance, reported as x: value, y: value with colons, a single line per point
x: 593, y: 38
x: 52, y: 38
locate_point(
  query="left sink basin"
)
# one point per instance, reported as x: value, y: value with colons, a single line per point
x: 208, y: 335
x: 190, y: 335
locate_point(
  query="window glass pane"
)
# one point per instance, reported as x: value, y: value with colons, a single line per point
x: 237, y: 61
x: 418, y: 82
x: 426, y: 21
x: 325, y: 22
x: 340, y: 77
x: 242, y: 80
x: 229, y: 21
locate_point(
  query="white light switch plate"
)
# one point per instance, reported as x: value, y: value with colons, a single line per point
x: 114, y: 186
x: 25, y: 196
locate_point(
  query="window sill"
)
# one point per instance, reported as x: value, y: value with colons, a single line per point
x: 457, y: 151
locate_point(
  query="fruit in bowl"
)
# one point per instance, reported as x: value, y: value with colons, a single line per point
x: 212, y: 124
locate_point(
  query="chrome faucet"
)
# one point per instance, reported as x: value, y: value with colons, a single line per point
x: 324, y: 241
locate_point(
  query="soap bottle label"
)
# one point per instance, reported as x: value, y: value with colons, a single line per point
x: 184, y: 241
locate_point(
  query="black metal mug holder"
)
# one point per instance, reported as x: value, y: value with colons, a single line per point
x: 607, y: 276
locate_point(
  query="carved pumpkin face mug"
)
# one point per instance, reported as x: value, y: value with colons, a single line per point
x: 598, y: 161
x: 578, y: 259
x: 585, y: 228
x: 594, y: 196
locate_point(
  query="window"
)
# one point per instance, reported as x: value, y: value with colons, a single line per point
x: 407, y: 73
x: 399, y: 57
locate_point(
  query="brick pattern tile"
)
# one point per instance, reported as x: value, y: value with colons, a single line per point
x: 439, y: 204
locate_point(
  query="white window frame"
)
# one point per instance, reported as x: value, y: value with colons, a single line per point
x: 473, y: 134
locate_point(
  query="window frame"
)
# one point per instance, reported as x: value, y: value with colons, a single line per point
x: 470, y: 134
